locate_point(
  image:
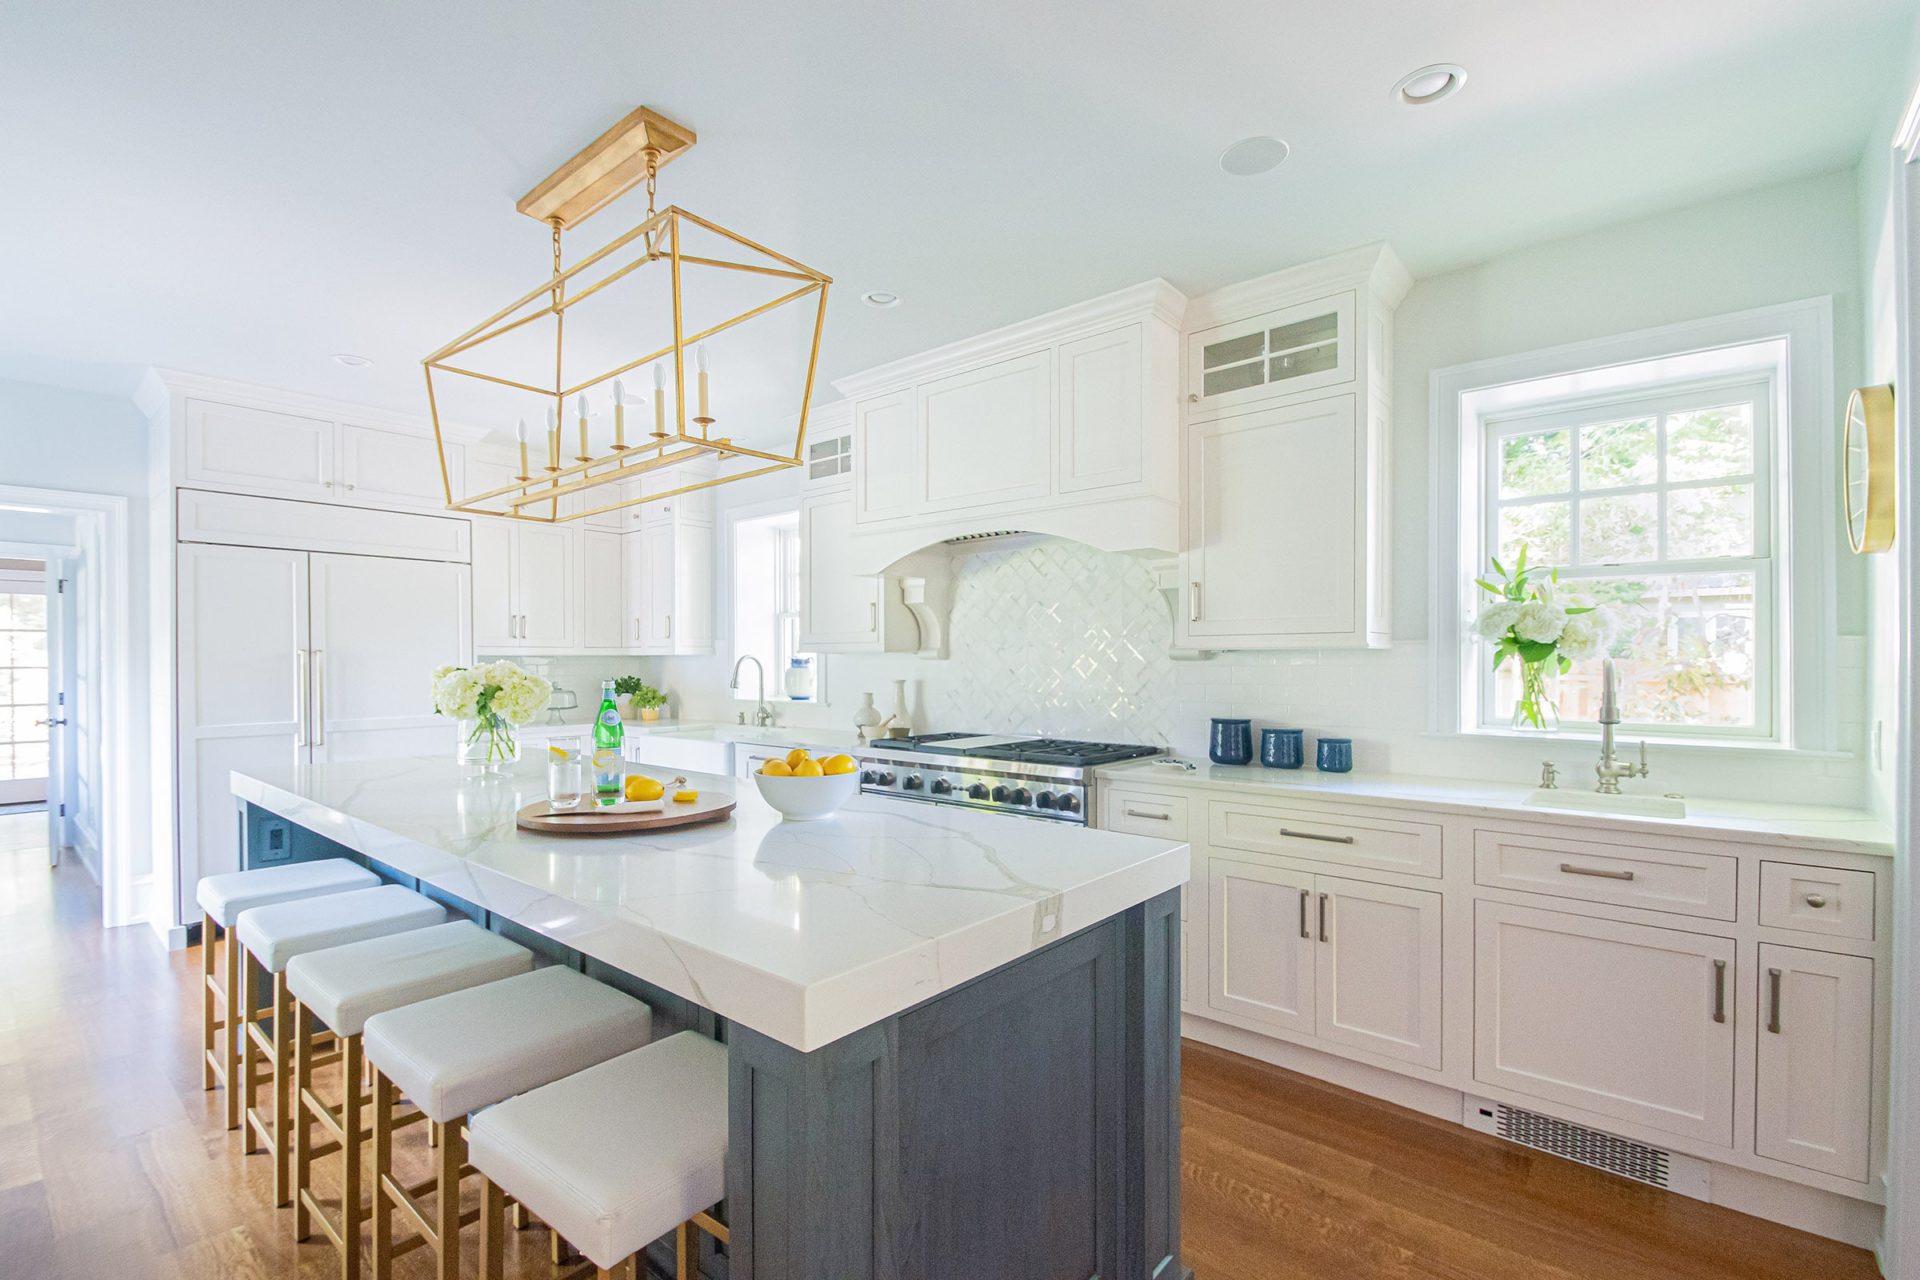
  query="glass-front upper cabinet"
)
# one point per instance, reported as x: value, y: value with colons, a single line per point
x: 1298, y: 348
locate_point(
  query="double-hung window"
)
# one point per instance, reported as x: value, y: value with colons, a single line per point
x: 1657, y: 504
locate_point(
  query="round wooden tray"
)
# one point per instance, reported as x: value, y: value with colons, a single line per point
x: 588, y: 821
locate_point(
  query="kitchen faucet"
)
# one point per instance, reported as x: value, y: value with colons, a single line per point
x: 1611, y: 769
x: 762, y: 714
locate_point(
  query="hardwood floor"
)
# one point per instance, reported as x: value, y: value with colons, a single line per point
x: 114, y: 1162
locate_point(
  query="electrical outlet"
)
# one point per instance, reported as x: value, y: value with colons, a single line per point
x: 276, y: 844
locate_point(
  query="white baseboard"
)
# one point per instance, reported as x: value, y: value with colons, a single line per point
x: 1793, y: 1204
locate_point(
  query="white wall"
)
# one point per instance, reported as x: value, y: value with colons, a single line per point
x: 57, y: 438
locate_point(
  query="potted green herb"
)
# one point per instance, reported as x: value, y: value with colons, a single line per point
x: 641, y: 698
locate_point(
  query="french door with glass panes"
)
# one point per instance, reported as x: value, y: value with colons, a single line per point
x: 23, y: 686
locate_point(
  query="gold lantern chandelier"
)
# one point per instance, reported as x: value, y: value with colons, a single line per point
x: 688, y: 281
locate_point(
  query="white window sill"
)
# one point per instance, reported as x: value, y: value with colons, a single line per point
x: 1627, y: 742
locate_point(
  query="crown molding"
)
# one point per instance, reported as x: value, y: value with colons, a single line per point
x: 1154, y: 299
x: 1376, y: 265
x: 159, y: 385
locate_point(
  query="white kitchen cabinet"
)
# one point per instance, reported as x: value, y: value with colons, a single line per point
x: 1345, y: 961
x: 602, y: 591
x: 1103, y: 411
x: 395, y: 469
x: 293, y: 657
x: 886, y: 458
x: 1618, y: 1019
x: 240, y: 447
x: 839, y: 607
x: 1279, y: 553
x: 670, y: 566
x: 1262, y: 938
x: 525, y: 591
x: 695, y: 506
x: 1813, y: 1082
x: 1303, y: 347
x: 986, y: 435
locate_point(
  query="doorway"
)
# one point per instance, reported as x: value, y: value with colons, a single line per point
x: 28, y: 700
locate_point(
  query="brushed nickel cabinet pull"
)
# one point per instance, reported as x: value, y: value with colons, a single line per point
x: 1719, y: 990
x: 1304, y: 931
x: 1816, y: 901
x: 1142, y: 813
x: 319, y: 727
x: 1315, y: 835
x: 300, y: 687
x: 873, y: 616
x: 1323, y: 919
x: 1601, y: 872
x: 1196, y: 604
x: 1773, y: 1001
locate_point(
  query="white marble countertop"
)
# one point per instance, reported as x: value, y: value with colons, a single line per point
x: 1800, y: 826
x: 804, y: 931
x: 581, y: 722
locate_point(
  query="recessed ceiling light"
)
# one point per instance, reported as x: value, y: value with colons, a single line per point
x: 1430, y: 84
x: 880, y: 298
x: 351, y: 360
x: 1253, y: 155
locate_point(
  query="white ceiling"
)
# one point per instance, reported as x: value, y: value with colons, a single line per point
x: 241, y: 189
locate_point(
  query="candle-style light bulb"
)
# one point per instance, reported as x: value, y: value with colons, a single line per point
x: 700, y: 360
x: 619, y: 415
x: 659, y: 400
x: 520, y: 432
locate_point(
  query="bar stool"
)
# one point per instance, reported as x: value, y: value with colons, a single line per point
x: 222, y: 898
x: 272, y: 936
x: 342, y: 987
x: 455, y: 1054
x: 612, y: 1157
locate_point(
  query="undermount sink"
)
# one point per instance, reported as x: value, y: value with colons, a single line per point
x: 1595, y: 802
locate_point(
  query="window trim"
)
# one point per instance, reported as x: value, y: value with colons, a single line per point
x: 1792, y: 345
x: 734, y: 517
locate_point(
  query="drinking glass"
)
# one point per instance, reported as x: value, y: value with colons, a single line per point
x: 566, y: 773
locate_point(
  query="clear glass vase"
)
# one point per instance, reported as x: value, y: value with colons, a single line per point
x: 488, y: 743
x: 1537, y: 710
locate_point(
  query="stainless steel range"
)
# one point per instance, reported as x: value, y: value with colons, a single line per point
x: 1010, y: 773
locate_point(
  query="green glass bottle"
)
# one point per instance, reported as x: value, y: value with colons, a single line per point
x: 608, y: 736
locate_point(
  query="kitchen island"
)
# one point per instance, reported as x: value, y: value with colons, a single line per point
x: 953, y: 1036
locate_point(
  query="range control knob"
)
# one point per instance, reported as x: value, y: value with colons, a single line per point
x: 1044, y: 800
x: 912, y: 782
x: 886, y: 778
x: 941, y: 787
x: 1022, y: 796
x: 978, y: 791
x: 868, y: 777
x: 1068, y: 803
x: 1001, y: 795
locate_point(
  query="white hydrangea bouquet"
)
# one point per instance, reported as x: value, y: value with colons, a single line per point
x: 489, y: 701
x: 1527, y: 624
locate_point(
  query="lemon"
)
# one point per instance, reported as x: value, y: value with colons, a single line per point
x: 641, y: 787
x: 833, y: 765
x: 795, y: 756
x: 686, y: 797
x: 605, y: 758
x: 557, y: 753
x: 808, y: 769
x: 777, y: 769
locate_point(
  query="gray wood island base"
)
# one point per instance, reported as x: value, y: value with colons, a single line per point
x: 1021, y: 1123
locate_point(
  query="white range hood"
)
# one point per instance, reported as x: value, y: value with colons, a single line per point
x: 1066, y: 425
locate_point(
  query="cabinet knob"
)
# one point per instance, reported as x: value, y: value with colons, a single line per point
x: 1816, y: 901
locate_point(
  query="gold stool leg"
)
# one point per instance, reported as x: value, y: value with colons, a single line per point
x: 683, y: 1251
x: 382, y: 1169
x: 493, y: 1227
x: 249, y: 1053
x: 282, y: 1122
x: 622, y: 1270
x: 353, y: 1212
x: 209, y: 1022
x: 446, y: 1204
x: 302, y: 1118
x: 230, y: 955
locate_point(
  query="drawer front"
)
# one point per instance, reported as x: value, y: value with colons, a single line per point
x: 1688, y: 884
x: 1351, y: 839
x: 1145, y: 813
x: 1826, y: 900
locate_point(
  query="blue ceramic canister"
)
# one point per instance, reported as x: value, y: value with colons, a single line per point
x: 1283, y: 748
x: 1334, y: 755
x: 1231, y: 742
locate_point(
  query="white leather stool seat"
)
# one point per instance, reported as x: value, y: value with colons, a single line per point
x: 344, y: 986
x: 618, y: 1155
x: 276, y: 934
x: 224, y: 897
x: 457, y: 1053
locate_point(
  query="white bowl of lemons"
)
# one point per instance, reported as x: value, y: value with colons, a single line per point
x: 803, y: 788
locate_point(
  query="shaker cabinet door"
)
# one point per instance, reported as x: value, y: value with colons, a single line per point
x: 1378, y: 969
x: 839, y: 609
x: 1261, y: 931
x: 1813, y: 1097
